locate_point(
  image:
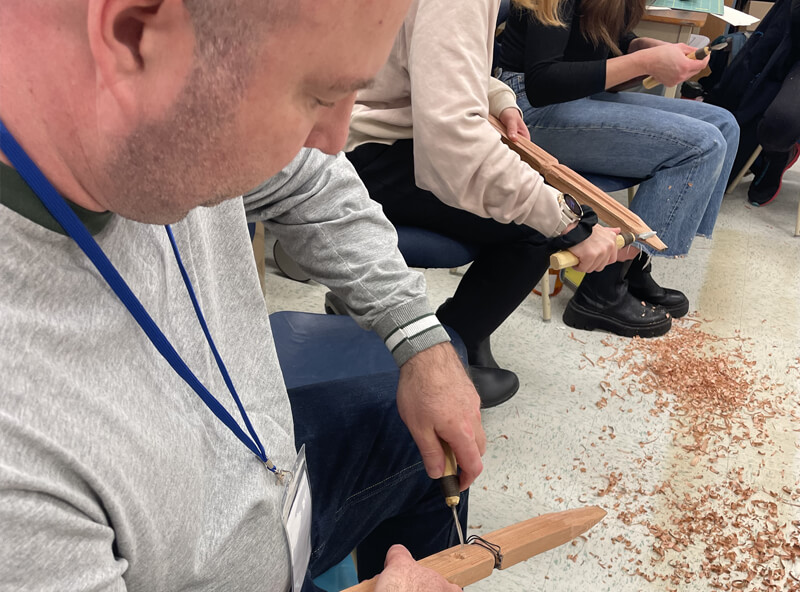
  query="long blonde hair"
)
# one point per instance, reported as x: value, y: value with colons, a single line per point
x: 545, y: 11
x: 603, y: 22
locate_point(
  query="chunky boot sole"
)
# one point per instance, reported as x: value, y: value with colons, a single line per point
x: 579, y: 317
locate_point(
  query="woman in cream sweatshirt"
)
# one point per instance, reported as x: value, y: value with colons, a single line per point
x: 421, y: 141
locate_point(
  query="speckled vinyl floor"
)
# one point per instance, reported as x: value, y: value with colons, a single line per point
x: 583, y: 431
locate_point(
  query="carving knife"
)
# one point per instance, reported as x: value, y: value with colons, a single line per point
x: 564, y: 259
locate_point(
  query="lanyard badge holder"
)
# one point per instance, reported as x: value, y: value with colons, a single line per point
x: 296, y: 515
x: 296, y: 518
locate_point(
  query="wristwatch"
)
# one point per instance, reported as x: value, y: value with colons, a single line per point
x: 571, y: 211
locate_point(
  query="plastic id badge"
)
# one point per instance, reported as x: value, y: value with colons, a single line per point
x: 297, y: 519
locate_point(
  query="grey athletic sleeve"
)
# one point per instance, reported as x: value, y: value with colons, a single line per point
x: 322, y: 214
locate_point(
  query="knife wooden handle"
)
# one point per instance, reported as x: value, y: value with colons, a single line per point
x: 449, y: 481
x: 564, y: 259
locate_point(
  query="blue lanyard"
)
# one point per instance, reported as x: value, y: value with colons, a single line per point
x: 72, y: 225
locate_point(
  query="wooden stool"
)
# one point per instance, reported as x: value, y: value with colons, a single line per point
x: 544, y: 291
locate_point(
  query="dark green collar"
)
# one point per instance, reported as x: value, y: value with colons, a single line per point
x: 16, y: 195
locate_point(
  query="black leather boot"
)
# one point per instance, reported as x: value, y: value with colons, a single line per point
x: 495, y: 385
x: 642, y: 285
x: 602, y: 301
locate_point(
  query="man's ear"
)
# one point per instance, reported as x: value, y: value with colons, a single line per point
x: 142, y: 50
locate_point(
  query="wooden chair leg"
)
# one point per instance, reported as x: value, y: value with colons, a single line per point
x: 797, y: 224
x: 737, y: 179
x: 631, y: 193
x: 544, y: 288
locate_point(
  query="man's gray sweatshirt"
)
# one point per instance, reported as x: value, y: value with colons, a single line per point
x: 113, y: 473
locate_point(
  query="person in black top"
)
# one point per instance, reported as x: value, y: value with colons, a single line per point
x: 761, y: 87
x: 682, y: 150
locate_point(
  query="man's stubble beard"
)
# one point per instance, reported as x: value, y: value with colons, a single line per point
x: 166, y: 168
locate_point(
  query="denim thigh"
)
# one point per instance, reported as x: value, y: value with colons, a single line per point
x: 367, y: 477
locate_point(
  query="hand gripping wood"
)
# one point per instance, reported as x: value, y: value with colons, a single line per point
x: 466, y: 565
x: 564, y: 259
x: 566, y: 180
x: 700, y: 54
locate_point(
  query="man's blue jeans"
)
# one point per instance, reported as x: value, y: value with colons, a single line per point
x: 684, y: 151
x: 368, y: 485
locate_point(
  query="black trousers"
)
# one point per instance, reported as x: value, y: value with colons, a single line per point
x: 512, y: 257
x: 778, y: 128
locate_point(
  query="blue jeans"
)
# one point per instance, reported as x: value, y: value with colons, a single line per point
x: 684, y: 151
x: 368, y: 485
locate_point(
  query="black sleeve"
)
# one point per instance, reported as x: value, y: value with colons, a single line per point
x: 548, y: 77
x: 795, y: 15
x: 625, y: 42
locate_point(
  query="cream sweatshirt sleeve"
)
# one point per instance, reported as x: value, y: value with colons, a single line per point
x: 501, y: 97
x: 457, y: 153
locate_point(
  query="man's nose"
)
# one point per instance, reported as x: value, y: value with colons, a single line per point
x: 329, y: 134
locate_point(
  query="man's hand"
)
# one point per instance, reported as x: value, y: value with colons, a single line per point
x: 437, y: 400
x: 515, y: 125
x: 669, y: 63
x: 402, y: 574
x: 598, y: 250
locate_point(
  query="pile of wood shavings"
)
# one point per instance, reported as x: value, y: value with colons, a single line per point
x: 708, y: 521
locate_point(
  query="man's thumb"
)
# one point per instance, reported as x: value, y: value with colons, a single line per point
x: 397, y: 554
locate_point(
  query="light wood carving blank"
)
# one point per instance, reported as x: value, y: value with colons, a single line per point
x: 518, y: 542
x: 566, y: 180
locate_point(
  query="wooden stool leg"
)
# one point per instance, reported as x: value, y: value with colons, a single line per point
x: 631, y: 193
x: 744, y: 169
x: 797, y: 224
x: 544, y: 288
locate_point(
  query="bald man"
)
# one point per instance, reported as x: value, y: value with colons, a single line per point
x: 114, y: 473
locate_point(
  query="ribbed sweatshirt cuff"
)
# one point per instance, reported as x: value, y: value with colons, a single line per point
x: 410, y: 329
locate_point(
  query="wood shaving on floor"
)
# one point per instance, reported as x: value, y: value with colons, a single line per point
x: 709, y: 521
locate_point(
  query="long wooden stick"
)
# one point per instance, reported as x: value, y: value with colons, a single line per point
x: 518, y: 542
x: 565, y: 179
